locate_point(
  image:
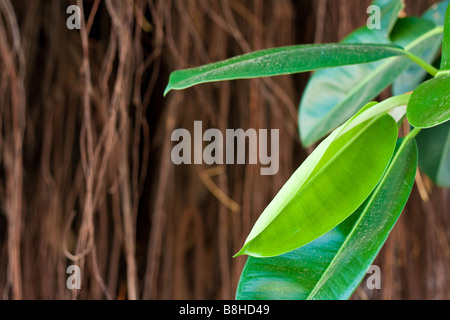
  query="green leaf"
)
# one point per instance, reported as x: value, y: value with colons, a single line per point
x: 434, y: 153
x: 329, y: 186
x: 429, y: 105
x: 281, y: 61
x: 332, y: 266
x: 405, y: 31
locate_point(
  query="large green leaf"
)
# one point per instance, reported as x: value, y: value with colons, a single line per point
x: 332, y: 266
x: 280, y: 61
x: 434, y: 153
x: 329, y: 186
x: 333, y: 95
x: 429, y: 105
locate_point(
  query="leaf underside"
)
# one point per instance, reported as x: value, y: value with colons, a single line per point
x: 429, y: 105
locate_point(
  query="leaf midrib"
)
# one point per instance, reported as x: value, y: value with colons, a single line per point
x: 332, y: 159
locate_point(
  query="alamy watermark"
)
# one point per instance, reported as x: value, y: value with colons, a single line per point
x: 231, y: 151
x: 74, y: 280
x: 374, y: 20
x: 374, y: 280
x: 74, y: 20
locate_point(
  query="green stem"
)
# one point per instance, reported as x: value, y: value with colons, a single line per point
x: 428, y: 67
x: 412, y: 134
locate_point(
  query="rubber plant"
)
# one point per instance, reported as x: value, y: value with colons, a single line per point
x: 323, y: 230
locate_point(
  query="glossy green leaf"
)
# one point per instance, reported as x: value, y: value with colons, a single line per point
x: 429, y: 105
x: 329, y: 186
x: 405, y: 31
x: 445, y: 63
x: 434, y: 153
x: 333, y: 95
x: 332, y: 266
x: 281, y: 61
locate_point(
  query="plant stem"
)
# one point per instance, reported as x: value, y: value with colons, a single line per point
x: 429, y: 68
x: 413, y: 134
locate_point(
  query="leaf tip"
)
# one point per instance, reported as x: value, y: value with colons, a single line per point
x: 167, y: 90
x: 240, y: 253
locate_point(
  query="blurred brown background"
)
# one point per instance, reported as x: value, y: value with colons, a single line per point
x: 85, y: 171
